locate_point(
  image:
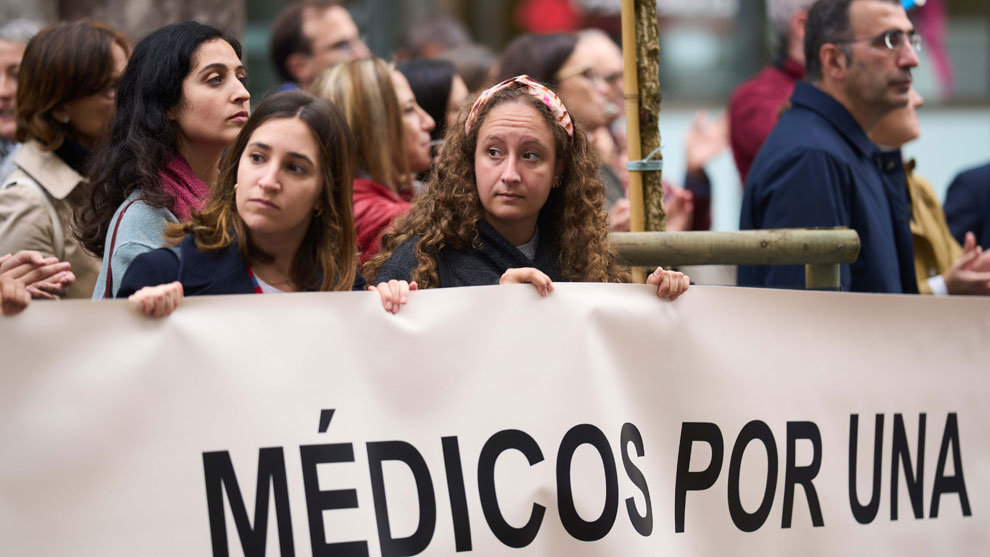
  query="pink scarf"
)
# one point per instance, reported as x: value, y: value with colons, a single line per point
x: 178, y: 179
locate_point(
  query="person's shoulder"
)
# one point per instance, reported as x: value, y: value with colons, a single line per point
x: 138, y: 222
x: 367, y: 191
x: 141, y: 210
x: 401, y: 261
x: 800, y: 130
x: 978, y: 177
x: 770, y: 81
x: 151, y: 268
x: 20, y: 187
x: 794, y: 164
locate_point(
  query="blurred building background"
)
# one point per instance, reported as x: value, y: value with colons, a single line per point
x: 707, y: 48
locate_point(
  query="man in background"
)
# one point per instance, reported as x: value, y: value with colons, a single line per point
x: 310, y: 36
x: 819, y: 168
x: 14, y: 37
x: 756, y: 104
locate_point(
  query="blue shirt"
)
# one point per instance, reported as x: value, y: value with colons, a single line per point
x: 819, y: 169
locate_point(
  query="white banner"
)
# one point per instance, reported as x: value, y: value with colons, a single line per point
x: 489, y: 421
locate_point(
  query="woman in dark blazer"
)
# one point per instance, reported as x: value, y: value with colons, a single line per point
x: 279, y: 219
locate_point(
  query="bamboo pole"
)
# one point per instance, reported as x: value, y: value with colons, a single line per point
x: 630, y: 85
x: 747, y: 247
x: 647, y: 47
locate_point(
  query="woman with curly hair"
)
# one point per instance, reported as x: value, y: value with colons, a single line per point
x: 516, y: 198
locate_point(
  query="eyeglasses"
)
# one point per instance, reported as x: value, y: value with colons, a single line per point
x: 348, y: 45
x: 586, y: 72
x: 613, y: 78
x: 893, y: 40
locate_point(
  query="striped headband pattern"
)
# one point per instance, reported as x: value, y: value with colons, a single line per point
x: 531, y: 87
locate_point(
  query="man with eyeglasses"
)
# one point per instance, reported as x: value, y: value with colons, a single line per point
x: 818, y: 168
x: 310, y: 36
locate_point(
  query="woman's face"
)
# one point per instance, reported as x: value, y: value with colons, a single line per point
x: 214, y: 105
x: 89, y: 116
x: 10, y: 64
x: 581, y: 89
x: 458, y: 94
x: 514, y: 164
x: 279, y: 180
x: 416, y: 126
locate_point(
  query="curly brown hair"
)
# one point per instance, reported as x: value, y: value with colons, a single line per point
x: 327, y: 258
x: 447, y: 212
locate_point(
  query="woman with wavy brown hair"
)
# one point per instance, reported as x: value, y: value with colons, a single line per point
x: 65, y: 99
x: 279, y: 218
x: 516, y: 197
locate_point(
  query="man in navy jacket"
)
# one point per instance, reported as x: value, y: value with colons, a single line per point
x: 967, y: 205
x: 818, y: 168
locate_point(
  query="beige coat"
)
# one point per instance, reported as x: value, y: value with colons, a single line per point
x: 935, y: 250
x: 40, y: 186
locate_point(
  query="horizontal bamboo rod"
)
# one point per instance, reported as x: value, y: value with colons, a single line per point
x: 747, y: 247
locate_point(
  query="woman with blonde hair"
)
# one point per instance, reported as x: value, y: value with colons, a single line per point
x: 516, y: 197
x: 393, y: 141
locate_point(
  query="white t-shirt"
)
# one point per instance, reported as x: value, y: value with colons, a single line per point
x: 265, y: 287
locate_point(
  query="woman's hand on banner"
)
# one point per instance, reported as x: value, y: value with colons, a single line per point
x: 14, y: 296
x: 670, y: 284
x: 157, y: 301
x: 529, y: 275
x: 394, y: 293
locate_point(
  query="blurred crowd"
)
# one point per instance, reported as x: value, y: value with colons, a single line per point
x: 139, y: 170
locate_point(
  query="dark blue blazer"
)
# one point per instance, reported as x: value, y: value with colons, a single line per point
x: 967, y: 205
x: 819, y: 169
x: 202, y: 273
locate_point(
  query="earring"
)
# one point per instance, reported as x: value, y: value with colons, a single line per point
x: 65, y: 120
x: 556, y: 182
x: 317, y: 213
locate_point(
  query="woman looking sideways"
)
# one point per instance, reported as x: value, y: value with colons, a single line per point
x: 515, y: 198
x: 65, y: 99
x: 393, y: 141
x: 180, y: 103
x: 438, y: 89
x: 279, y: 219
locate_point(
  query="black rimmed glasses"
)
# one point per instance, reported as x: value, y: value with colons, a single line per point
x: 893, y: 40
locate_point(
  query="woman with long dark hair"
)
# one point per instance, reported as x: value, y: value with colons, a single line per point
x: 279, y: 219
x: 438, y: 89
x: 180, y: 103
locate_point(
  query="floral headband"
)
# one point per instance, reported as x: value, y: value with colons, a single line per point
x: 532, y: 88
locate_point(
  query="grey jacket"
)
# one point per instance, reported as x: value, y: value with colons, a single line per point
x: 141, y: 230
